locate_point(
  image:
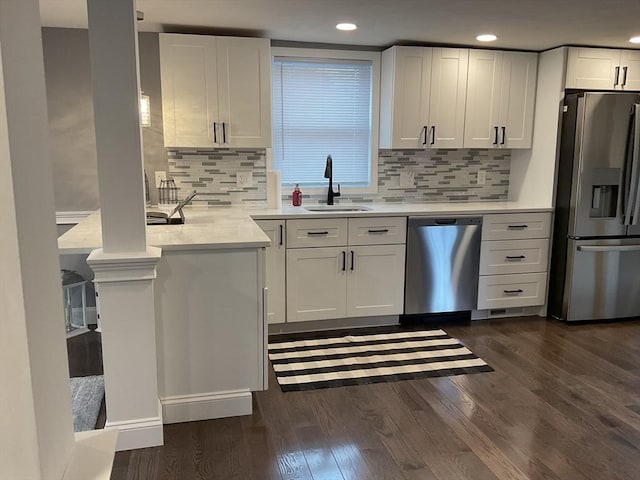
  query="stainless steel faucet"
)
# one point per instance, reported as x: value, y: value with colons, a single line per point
x: 328, y: 173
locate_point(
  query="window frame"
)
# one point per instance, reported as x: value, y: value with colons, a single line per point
x: 375, y: 59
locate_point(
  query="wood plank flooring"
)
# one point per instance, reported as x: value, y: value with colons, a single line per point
x: 562, y: 404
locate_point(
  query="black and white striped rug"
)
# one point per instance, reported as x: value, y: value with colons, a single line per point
x: 374, y: 358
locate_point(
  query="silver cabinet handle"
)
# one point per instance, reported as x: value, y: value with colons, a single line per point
x: 609, y: 248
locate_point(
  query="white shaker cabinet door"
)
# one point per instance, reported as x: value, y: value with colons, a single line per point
x: 188, y: 72
x: 593, y: 68
x: 482, y: 119
x: 316, y: 283
x: 404, y: 109
x: 630, y: 70
x: 375, y: 284
x: 244, y: 91
x: 275, y: 269
x: 447, y: 98
x: 518, y: 92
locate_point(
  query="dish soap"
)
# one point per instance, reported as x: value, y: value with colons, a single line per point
x: 296, y: 196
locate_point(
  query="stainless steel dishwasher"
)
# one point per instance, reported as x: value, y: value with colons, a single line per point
x: 443, y: 263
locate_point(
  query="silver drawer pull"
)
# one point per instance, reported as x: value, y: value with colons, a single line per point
x: 382, y: 230
x: 517, y: 227
x: 317, y: 233
x: 515, y: 257
x: 513, y: 292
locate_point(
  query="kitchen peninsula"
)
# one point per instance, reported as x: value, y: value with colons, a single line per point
x: 209, y: 295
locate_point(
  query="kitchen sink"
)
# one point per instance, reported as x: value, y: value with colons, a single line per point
x: 338, y: 208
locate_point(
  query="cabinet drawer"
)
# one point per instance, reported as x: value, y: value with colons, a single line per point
x: 514, y: 256
x: 326, y: 232
x: 377, y: 230
x: 520, y: 290
x: 512, y: 226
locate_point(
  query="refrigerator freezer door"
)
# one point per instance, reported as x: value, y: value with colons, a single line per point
x: 602, y: 280
x: 602, y: 133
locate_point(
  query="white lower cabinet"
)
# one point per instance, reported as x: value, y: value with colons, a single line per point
x: 354, y: 277
x: 316, y: 283
x: 375, y: 280
x: 520, y: 290
x: 275, y: 256
x: 513, y: 260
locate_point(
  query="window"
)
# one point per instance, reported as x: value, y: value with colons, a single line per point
x: 326, y: 103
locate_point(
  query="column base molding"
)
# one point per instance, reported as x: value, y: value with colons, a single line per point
x: 189, y: 408
x: 138, y: 432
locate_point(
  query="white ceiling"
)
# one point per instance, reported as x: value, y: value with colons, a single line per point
x: 519, y: 24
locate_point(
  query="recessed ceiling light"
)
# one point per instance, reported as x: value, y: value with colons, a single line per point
x: 346, y: 26
x: 634, y: 39
x: 486, y: 37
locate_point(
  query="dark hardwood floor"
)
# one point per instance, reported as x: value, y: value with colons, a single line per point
x: 562, y: 404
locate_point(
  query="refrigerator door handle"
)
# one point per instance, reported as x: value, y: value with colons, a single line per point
x: 609, y: 248
x: 632, y: 207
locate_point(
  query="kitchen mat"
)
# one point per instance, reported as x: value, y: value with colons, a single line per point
x: 361, y: 359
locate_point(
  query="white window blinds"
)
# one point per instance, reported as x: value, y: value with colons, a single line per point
x: 322, y: 107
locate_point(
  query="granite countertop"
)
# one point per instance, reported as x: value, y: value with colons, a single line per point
x: 234, y: 227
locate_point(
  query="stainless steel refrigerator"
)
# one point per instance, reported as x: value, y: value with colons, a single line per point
x: 595, y: 262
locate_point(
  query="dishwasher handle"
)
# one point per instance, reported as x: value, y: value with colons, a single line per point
x: 442, y: 221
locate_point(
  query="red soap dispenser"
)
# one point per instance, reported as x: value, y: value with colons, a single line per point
x: 297, y: 196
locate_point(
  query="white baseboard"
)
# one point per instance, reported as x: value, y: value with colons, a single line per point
x: 333, y: 324
x: 138, y: 433
x: 189, y: 408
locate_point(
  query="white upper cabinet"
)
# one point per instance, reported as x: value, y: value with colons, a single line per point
x: 447, y: 97
x: 482, y: 118
x: 423, y: 97
x: 603, y: 69
x: 500, y: 99
x: 404, y: 107
x: 630, y: 65
x: 216, y: 91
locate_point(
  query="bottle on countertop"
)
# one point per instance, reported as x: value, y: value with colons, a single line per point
x: 296, y: 197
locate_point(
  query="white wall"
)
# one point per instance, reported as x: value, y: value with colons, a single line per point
x: 533, y: 171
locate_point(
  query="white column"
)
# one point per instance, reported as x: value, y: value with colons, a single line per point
x: 126, y: 306
x: 125, y: 267
x: 113, y: 47
x: 36, y: 428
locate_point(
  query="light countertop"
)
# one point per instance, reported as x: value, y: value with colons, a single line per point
x: 233, y: 227
x: 395, y: 209
x: 205, y: 228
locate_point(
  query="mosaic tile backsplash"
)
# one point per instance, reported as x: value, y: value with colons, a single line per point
x: 439, y: 176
